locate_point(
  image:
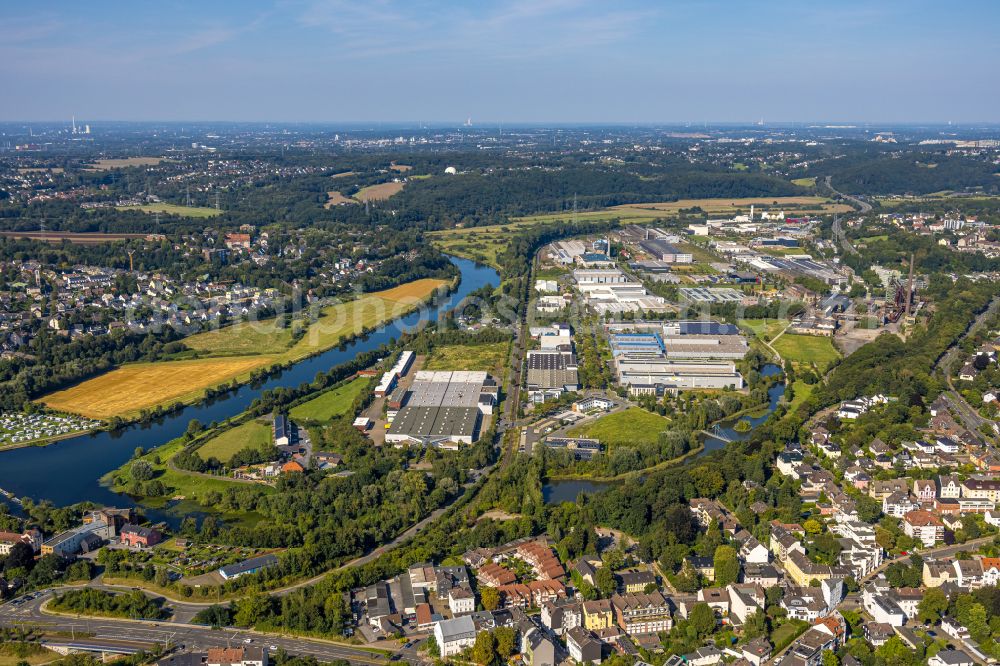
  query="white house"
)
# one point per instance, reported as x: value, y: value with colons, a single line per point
x: 455, y: 635
x: 461, y: 601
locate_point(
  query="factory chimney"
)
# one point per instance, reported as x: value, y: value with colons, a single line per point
x: 909, y: 287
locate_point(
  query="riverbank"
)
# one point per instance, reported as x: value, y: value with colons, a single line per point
x: 74, y: 466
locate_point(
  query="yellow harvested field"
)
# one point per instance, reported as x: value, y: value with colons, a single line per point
x: 106, y: 165
x: 343, y: 174
x: 336, y: 199
x: 411, y: 292
x: 131, y: 388
x: 401, y: 168
x: 378, y: 192
x: 237, y: 350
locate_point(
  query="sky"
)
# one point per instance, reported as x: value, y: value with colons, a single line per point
x: 522, y: 61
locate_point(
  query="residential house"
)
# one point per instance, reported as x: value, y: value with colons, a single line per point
x: 634, y: 582
x: 597, y: 614
x: 642, y: 613
x: 949, y: 487
x: 455, y: 635
x: 924, y: 490
x: 950, y: 658
x: 923, y: 526
x: 583, y: 646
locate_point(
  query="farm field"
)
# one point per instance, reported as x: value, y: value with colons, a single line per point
x: 174, y: 209
x: 244, y: 338
x: 122, y: 163
x: 489, y: 358
x: 342, y: 319
x: 807, y: 349
x: 631, y: 427
x: 343, y: 174
x: 345, y: 320
x: 84, y: 237
x: 804, y: 182
x: 253, y: 433
x: 332, y: 403
x: 238, y: 350
x: 131, y: 388
x: 401, y: 168
x: 378, y: 192
x: 336, y: 199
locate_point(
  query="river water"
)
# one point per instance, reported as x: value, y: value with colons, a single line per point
x: 68, y: 471
x: 568, y: 489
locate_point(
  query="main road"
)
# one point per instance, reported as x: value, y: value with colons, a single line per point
x: 196, y: 638
x: 838, y: 230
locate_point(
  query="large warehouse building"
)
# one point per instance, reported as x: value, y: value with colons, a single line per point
x: 654, y: 357
x: 443, y: 409
x: 550, y: 373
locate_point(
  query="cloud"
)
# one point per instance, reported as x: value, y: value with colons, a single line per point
x: 522, y: 29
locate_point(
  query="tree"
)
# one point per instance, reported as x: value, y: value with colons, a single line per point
x: 756, y: 625
x: 485, y: 649
x: 702, y: 619
x: 812, y: 526
x: 506, y: 641
x: 932, y: 606
x: 21, y: 556
x: 142, y: 470
x: 830, y: 658
x: 605, y: 581
x: 727, y: 566
x: 490, y: 597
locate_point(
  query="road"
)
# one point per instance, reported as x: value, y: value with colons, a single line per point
x: 838, y: 229
x: 969, y: 416
x: 193, y: 637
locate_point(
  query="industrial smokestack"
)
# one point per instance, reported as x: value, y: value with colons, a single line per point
x: 909, y: 287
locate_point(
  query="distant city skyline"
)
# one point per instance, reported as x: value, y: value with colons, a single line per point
x: 524, y: 61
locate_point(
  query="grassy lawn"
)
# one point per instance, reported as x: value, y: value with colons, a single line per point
x: 182, y: 485
x: 807, y: 349
x: 490, y: 358
x: 174, y: 209
x: 628, y: 428
x: 31, y: 653
x: 804, y: 182
x: 252, y: 433
x: 786, y: 633
x: 801, y: 392
x: 765, y: 329
x: 332, y: 403
x: 241, y: 348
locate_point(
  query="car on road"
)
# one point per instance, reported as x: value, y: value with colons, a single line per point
x: 273, y: 648
x: 248, y: 640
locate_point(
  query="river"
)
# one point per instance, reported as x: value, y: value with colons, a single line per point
x: 568, y: 489
x: 68, y: 471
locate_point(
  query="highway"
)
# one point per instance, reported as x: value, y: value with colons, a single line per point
x: 192, y: 637
x: 838, y: 229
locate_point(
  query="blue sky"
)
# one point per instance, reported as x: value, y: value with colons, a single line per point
x: 615, y: 61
